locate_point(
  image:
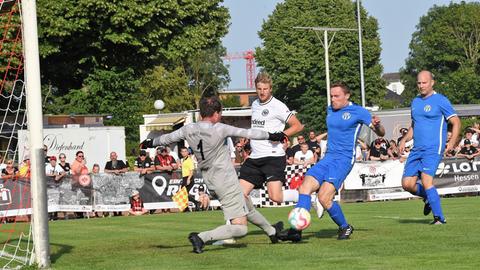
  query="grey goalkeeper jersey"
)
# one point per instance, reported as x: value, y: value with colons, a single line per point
x: 208, y: 141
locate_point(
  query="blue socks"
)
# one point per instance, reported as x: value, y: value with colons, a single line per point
x: 337, y: 216
x: 434, y: 200
x: 335, y: 212
x: 421, y: 191
x: 304, y: 201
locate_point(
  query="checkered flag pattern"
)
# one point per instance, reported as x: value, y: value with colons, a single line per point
x: 181, y: 198
x: 292, y: 172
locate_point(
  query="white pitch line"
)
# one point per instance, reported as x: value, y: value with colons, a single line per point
x: 396, y: 217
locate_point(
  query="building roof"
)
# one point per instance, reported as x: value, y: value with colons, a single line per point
x: 391, y: 77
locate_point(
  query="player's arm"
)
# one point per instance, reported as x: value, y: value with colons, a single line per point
x: 165, y: 139
x: 454, y: 121
x: 377, y: 126
x: 321, y: 136
x: 407, y: 137
x: 255, y: 134
x: 294, y: 126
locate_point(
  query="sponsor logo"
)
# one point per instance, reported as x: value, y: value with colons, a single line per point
x: 457, y: 167
x: 468, y: 189
x: 372, y: 176
x: 57, y: 143
x: 427, y: 108
x: 256, y: 122
x: 265, y: 112
x: 462, y: 178
x: 5, y: 196
x: 159, y: 183
x: 346, y: 116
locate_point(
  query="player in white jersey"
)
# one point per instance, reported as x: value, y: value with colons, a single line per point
x: 208, y: 140
x: 267, y: 161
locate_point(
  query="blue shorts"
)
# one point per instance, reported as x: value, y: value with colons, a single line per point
x: 331, y: 169
x: 421, y: 161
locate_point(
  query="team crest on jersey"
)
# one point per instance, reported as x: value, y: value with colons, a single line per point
x: 427, y: 108
x: 346, y: 115
x: 265, y: 112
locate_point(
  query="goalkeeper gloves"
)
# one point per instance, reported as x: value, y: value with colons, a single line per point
x: 147, y: 143
x: 277, y: 136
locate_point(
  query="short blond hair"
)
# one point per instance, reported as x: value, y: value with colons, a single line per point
x: 263, y: 77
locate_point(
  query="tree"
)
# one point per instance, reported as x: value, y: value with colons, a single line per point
x: 295, y: 58
x: 78, y: 36
x: 206, y: 72
x: 108, y: 92
x: 169, y: 86
x: 447, y: 42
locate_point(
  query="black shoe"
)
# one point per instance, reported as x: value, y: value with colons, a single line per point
x: 345, y: 233
x: 278, y: 229
x: 290, y: 235
x: 438, y: 221
x: 427, y: 209
x: 197, y: 242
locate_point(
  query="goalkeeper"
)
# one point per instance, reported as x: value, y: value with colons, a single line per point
x: 208, y: 140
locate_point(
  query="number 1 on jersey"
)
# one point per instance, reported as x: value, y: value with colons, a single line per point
x: 200, y: 148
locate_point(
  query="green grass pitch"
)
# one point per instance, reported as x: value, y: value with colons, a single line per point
x: 388, y: 235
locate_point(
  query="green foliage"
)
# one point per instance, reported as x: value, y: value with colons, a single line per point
x: 206, y: 72
x: 116, y: 57
x: 169, y: 86
x: 108, y: 92
x: 447, y: 42
x: 78, y: 36
x: 231, y: 102
x: 295, y: 58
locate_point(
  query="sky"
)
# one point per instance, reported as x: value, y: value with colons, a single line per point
x: 397, y: 20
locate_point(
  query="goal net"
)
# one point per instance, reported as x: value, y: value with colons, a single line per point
x: 16, y: 243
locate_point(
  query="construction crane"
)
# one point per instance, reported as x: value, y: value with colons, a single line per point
x: 249, y: 56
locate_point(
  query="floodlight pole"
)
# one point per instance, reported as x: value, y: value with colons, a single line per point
x: 360, y: 49
x: 35, y: 126
x: 326, y: 45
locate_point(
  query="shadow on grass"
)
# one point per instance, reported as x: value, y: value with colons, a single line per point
x: 61, y: 249
x: 414, y: 221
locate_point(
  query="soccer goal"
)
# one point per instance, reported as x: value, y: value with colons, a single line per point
x: 23, y: 225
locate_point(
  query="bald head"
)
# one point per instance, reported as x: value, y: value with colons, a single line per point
x: 425, y: 73
x: 425, y: 83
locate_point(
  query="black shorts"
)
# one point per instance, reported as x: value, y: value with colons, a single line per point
x: 261, y: 170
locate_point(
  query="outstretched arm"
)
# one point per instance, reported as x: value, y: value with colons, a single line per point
x: 406, y: 137
x: 376, y: 126
x: 456, y: 125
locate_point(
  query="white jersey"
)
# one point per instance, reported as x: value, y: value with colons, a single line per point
x: 270, y: 116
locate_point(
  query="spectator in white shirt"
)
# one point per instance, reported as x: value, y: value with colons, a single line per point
x: 53, y: 170
x: 304, y: 156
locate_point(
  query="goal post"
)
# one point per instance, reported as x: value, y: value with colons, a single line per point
x: 35, y: 126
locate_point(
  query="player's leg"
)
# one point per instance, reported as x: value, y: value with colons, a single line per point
x: 429, y: 167
x: 433, y: 199
x: 274, y: 170
x: 250, y: 176
x: 260, y: 221
x: 410, y: 181
x: 308, y: 185
x: 237, y: 228
x: 325, y: 196
x: 229, y: 193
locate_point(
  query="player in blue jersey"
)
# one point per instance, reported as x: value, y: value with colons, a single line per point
x: 344, y: 121
x: 430, y: 112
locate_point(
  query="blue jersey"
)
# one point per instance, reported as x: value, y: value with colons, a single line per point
x: 429, y: 121
x: 343, y: 127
